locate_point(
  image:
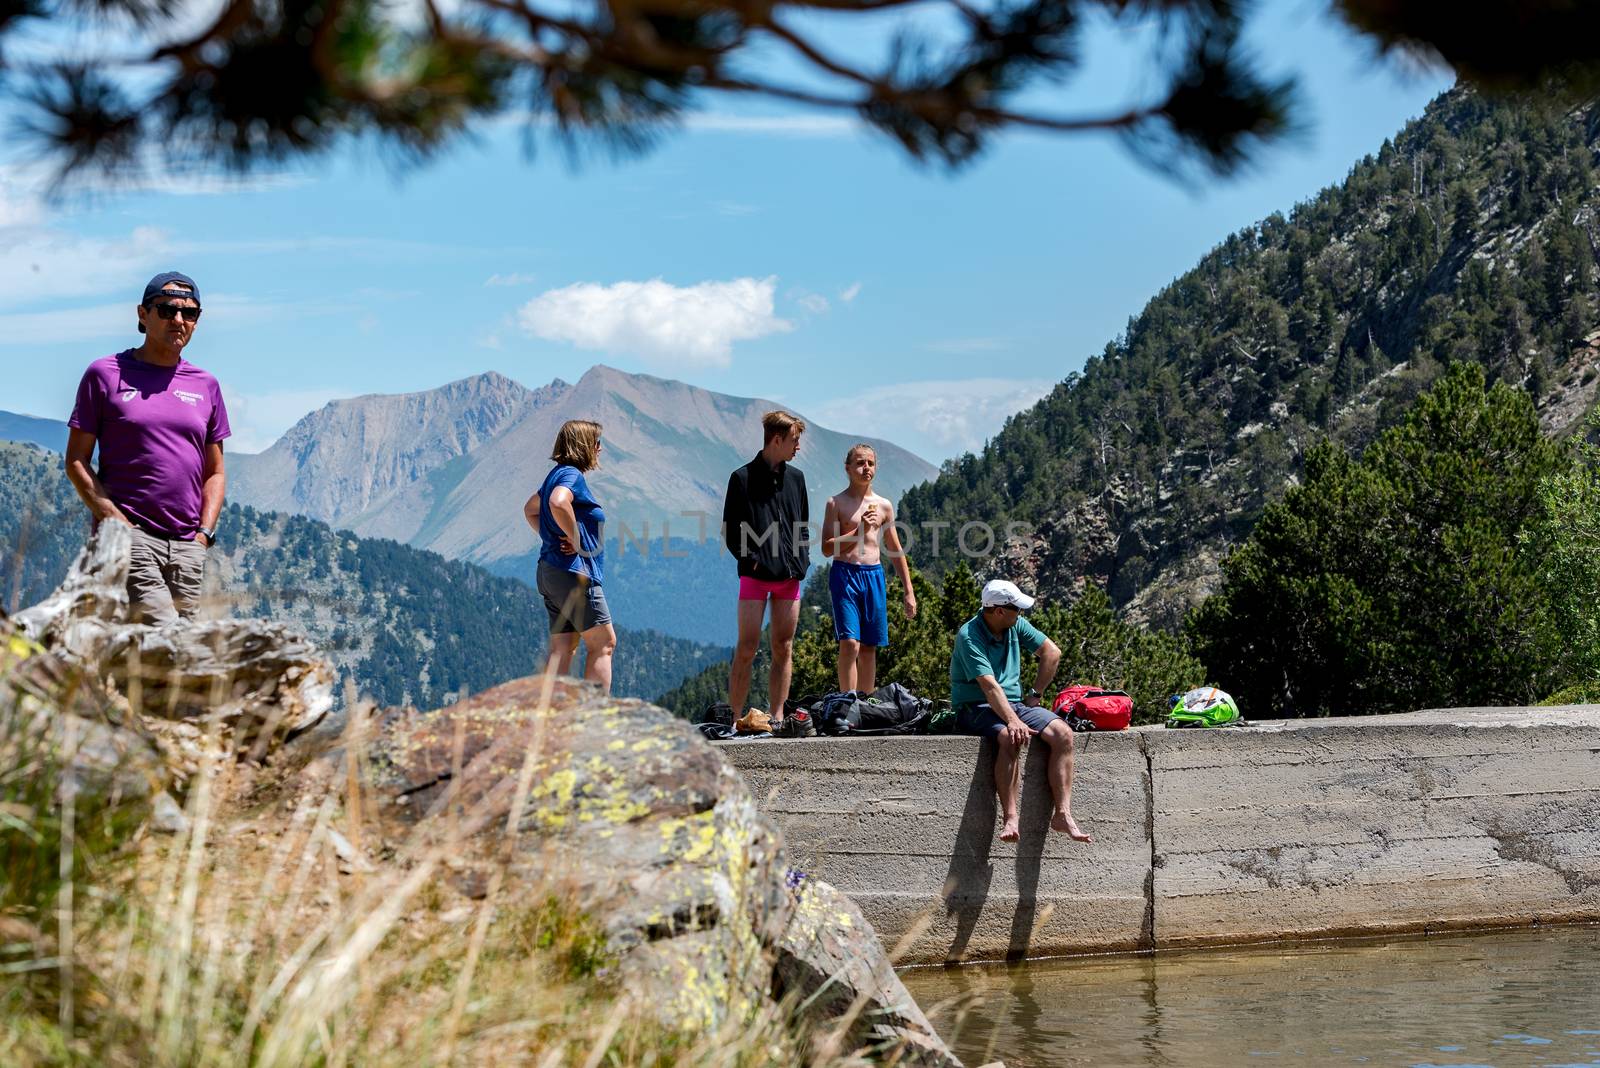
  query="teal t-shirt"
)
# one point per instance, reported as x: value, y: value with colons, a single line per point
x: 978, y: 652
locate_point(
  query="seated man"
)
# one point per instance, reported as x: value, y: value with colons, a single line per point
x: 987, y: 699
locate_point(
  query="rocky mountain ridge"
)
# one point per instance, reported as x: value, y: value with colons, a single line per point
x: 449, y: 469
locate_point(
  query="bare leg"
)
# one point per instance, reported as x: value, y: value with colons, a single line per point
x: 849, y: 650
x: 867, y: 668
x: 563, y: 647
x: 785, y: 617
x: 600, y: 642
x: 1058, y: 736
x: 744, y: 653
x: 1008, y: 784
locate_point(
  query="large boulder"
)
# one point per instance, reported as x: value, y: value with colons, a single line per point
x: 651, y: 828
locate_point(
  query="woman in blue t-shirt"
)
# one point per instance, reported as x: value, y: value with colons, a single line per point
x: 570, y: 524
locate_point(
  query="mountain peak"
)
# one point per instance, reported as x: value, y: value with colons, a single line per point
x: 434, y: 468
x: 352, y: 455
x: 602, y: 374
x: 488, y: 383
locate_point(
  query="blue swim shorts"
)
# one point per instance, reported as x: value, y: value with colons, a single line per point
x: 860, y: 603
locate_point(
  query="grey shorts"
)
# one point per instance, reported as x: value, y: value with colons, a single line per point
x: 985, y: 722
x: 164, y: 576
x: 573, y: 603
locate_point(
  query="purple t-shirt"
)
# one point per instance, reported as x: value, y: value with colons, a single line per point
x: 153, y: 425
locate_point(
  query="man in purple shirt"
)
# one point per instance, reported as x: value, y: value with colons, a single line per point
x: 159, y: 421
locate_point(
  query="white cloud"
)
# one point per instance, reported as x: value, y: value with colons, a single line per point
x: 815, y: 303
x: 203, y: 184
x: 259, y: 419
x: 17, y: 207
x: 151, y: 174
x: 731, y: 207
x: 947, y: 417
x: 40, y: 259
x: 102, y: 321
x: 684, y: 325
x: 37, y: 260
x: 850, y: 292
x: 515, y: 278
x: 116, y: 321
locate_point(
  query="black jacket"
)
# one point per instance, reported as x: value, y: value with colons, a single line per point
x: 763, y: 521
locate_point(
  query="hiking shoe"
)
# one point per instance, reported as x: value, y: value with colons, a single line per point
x: 797, y: 725
x: 754, y: 721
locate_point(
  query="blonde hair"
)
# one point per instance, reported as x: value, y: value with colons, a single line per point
x: 778, y: 424
x: 578, y: 444
x: 857, y: 447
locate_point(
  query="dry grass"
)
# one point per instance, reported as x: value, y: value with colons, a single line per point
x: 262, y: 936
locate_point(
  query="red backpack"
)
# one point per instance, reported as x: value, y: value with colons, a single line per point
x: 1089, y: 708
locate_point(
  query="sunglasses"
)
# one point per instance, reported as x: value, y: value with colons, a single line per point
x: 169, y: 312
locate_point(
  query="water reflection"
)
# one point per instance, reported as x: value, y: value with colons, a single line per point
x: 1509, y: 999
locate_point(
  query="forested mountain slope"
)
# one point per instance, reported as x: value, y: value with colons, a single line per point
x: 407, y: 626
x: 1474, y: 235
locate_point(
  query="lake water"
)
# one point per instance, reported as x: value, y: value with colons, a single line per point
x: 1503, y: 999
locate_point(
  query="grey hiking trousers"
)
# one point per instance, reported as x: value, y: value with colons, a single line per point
x: 164, y: 576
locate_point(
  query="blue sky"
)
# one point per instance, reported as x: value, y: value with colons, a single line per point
x: 778, y: 254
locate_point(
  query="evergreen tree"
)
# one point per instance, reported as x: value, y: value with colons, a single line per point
x: 1562, y: 546
x: 1393, y: 581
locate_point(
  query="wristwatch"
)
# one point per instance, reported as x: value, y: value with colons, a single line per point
x: 1032, y: 695
x: 210, y: 533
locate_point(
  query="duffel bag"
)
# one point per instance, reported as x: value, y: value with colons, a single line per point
x: 1089, y: 708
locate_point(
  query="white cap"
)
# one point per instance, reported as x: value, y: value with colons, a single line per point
x: 998, y: 592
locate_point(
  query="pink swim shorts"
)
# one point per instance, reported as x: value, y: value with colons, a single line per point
x: 754, y: 589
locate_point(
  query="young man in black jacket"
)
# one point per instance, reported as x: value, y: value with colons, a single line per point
x: 765, y: 525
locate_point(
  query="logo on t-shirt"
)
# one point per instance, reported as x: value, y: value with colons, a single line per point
x: 188, y: 398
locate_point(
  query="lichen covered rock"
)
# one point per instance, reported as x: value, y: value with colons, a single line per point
x: 665, y: 842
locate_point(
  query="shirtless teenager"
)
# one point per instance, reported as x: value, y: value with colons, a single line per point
x: 857, y: 528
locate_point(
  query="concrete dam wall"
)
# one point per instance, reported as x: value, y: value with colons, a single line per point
x: 1428, y: 821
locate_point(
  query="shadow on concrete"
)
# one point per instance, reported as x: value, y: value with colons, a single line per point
x: 1034, y: 810
x: 966, y: 886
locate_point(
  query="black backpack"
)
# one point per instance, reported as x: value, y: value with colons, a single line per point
x: 716, y: 712
x: 890, y: 709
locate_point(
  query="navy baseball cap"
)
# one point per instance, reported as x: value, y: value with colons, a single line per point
x: 154, y: 287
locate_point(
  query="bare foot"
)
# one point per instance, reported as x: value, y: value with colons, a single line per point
x: 1063, y: 822
x: 1008, y: 830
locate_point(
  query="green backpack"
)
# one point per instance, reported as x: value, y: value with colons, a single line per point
x: 1205, y: 707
